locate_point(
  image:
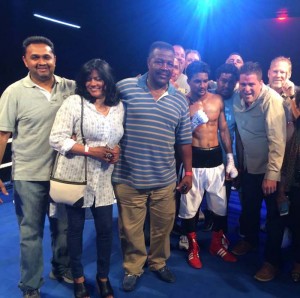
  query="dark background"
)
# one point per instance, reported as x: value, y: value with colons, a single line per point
x: 121, y: 31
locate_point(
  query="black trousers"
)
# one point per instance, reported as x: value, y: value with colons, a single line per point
x: 103, y: 220
x: 294, y: 221
x: 250, y: 217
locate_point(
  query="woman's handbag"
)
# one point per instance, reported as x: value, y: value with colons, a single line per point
x: 68, y: 192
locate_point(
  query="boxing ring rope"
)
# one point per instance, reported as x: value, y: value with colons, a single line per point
x: 8, y: 164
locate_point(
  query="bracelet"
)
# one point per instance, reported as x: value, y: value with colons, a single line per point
x: 188, y: 174
x: 86, y: 149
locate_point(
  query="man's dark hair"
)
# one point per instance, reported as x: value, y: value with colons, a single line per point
x: 105, y: 73
x: 188, y: 51
x: 228, y: 68
x: 36, y: 40
x: 252, y: 68
x: 160, y: 45
x: 234, y: 53
x: 196, y: 67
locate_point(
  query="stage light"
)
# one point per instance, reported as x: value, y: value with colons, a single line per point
x: 282, y: 15
x: 204, y: 9
x: 211, y: 2
x: 56, y: 21
x: 205, y: 5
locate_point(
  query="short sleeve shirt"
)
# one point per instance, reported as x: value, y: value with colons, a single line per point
x: 152, y: 128
x: 28, y: 114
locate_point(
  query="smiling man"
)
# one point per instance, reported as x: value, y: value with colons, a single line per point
x: 279, y: 75
x: 261, y: 124
x: 27, y: 110
x: 156, y: 119
x: 183, y: 86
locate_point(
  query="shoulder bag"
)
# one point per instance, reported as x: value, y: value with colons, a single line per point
x: 68, y: 192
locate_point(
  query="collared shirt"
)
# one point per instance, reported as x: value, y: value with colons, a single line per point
x: 99, y: 130
x: 44, y: 91
x: 151, y: 130
x: 26, y: 112
x: 183, y: 85
x: 262, y: 127
x: 287, y: 105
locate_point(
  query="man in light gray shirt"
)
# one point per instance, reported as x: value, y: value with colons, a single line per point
x: 261, y: 124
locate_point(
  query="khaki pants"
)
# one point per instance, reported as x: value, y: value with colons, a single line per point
x: 132, y: 212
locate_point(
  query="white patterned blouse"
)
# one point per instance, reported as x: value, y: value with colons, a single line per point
x: 99, y: 130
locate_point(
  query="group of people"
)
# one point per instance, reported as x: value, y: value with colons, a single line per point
x: 131, y: 130
x: 264, y: 121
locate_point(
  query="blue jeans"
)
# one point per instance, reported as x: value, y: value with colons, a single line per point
x: 31, y: 205
x: 103, y: 221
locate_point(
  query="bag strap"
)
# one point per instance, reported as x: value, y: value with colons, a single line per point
x: 84, y: 143
x: 83, y: 139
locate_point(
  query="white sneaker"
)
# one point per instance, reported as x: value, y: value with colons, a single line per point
x: 183, y: 242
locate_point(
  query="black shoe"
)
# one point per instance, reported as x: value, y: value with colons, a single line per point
x: 80, y: 290
x: 129, y: 282
x: 165, y: 274
x: 31, y: 294
x: 104, y: 287
x: 66, y: 276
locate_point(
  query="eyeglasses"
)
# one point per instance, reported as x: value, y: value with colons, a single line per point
x: 162, y: 63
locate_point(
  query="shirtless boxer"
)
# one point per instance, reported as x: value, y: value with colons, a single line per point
x: 207, y: 116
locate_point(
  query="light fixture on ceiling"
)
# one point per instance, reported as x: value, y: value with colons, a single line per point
x: 56, y: 21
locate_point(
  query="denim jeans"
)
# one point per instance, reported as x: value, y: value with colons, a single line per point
x: 31, y: 205
x: 250, y: 217
x: 103, y: 220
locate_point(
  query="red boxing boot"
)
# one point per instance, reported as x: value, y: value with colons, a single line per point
x: 219, y: 246
x: 193, y: 251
